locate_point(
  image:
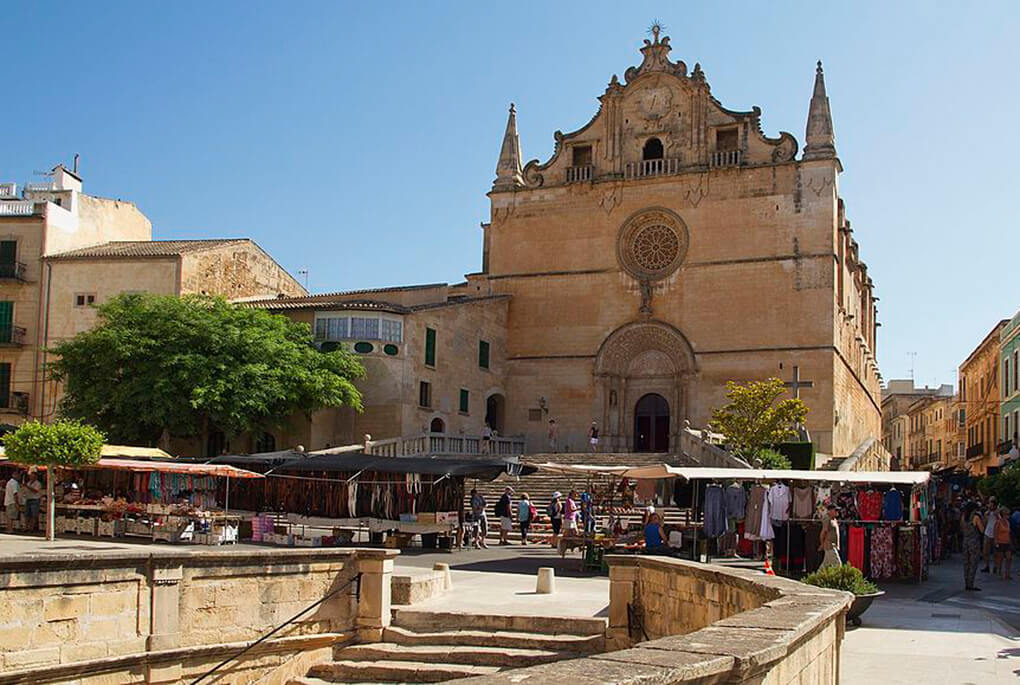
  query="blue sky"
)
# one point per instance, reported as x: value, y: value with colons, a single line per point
x: 358, y: 140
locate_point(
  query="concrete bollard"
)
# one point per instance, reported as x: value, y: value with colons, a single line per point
x: 546, y: 581
x: 447, y: 578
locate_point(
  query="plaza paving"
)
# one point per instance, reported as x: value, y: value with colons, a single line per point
x: 930, y: 632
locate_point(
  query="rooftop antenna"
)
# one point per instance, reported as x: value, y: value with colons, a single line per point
x: 75, y: 169
x: 913, y: 356
x: 304, y: 273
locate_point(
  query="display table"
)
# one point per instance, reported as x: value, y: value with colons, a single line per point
x: 154, y: 521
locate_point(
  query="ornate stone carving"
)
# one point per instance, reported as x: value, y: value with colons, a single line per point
x: 652, y: 244
x: 634, y: 340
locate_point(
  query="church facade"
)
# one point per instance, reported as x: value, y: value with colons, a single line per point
x: 667, y: 247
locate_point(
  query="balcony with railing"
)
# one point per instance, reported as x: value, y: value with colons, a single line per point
x: 652, y: 167
x: 976, y: 450
x: 17, y: 208
x: 12, y: 271
x: 12, y: 335
x: 580, y: 173
x: 725, y: 158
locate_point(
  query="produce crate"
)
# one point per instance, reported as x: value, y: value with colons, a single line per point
x: 86, y: 526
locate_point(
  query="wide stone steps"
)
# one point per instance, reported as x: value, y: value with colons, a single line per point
x: 390, y: 671
x: 470, y: 655
x: 560, y: 643
x: 432, y: 647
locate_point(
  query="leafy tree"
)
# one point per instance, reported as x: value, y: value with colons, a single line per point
x: 1004, y: 485
x: 773, y: 459
x: 191, y: 364
x: 752, y: 420
x: 62, y: 443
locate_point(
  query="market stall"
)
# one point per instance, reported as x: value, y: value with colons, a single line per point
x: 885, y: 518
x: 147, y: 496
x: 322, y: 498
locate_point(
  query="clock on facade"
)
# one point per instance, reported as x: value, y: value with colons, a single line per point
x: 655, y: 102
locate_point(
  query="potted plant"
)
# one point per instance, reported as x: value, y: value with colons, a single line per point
x: 849, y: 579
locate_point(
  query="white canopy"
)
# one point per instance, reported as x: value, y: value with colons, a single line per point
x: 709, y: 473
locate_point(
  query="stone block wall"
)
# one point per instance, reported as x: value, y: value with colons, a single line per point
x: 160, y: 617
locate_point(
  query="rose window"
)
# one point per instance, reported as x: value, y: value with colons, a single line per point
x: 652, y: 244
x: 655, y: 247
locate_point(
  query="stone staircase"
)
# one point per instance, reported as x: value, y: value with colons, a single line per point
x: 429, y: 647
x: 540, y: 487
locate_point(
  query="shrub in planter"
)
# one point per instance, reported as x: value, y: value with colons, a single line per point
x: 845, y: 577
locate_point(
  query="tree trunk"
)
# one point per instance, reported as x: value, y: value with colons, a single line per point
x: 51, y: 506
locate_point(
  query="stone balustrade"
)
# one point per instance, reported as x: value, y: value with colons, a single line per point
x: 20, y: 208
x: 171, y: 615
x: 675, y: 622
x: 445, y: 444
x: 579, y: 173
x: 724, y: 158
x: 652, y: 167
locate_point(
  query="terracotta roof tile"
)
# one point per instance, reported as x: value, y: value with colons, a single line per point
x: 146, y: 248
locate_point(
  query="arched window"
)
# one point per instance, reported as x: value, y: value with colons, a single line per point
x: 437, y: 426
x: 265, y: 443
x: 652, y: 150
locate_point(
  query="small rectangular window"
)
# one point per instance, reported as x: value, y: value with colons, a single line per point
x: 364, y: 329
x: 534, y: 415
x: 483, y: 354
x: 430, y: 347
x: 582, y: 155
x: 726, y: 139
x: 424, y: 394
x: 465, y: 403
x: 84, y: 299
x: 390, y: 330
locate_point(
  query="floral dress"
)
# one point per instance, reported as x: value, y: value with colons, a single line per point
x: 882, y: 566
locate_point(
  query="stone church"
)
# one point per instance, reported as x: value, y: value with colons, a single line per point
x: 668, y: 246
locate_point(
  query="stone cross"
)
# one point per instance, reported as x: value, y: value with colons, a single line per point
x: 796, y: 384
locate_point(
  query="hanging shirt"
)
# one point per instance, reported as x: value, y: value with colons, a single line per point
x: 803, y: 503
x: 735, y: 501
x: 779, y: 502
x: 869, y: 505
x: 892, y: 508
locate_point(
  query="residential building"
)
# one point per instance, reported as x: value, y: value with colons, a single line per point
x: 667, y: 246
x: 62, y: 252
x: 903, y: 423
x: 980, y: 396
x: 1009, y: 352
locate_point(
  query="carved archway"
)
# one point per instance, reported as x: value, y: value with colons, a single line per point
x: 635, y: 360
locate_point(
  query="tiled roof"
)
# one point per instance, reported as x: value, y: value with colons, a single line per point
x: 288, y: 303
x: 368, y: 291
x: 146, y: 248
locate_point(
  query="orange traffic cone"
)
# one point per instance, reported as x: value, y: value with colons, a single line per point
x: 768, y: 568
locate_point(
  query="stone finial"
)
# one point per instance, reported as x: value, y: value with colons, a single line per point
x: 509, y: 169
x: 820, y: 140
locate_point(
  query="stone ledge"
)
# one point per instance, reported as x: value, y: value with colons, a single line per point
x: 64, y: 672
x: 205, y: 556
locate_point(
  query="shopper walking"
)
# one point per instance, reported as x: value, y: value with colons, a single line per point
x: 525, y: 516
x: 593, y: 437
x: 570, y: 512
x: 481, y: 521
x: 1003, y: 545
x: 11, y: 495
x: 828, y: 541
x: 503, y: 507
x: 991, y: 512
x: 973, y: 533
x: 32, y: 496
x: 556, y: 517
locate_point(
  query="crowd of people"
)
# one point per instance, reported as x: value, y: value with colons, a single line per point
x: 570, y: 515
x: 988, y: 532
x: 22, y: 494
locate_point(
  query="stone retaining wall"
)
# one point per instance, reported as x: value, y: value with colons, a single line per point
x: 161, y: 616
x: 705, y: 624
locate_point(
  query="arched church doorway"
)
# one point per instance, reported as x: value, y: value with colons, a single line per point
x: 495, y: 412
x: 651, y: 424
x: 437, y: 426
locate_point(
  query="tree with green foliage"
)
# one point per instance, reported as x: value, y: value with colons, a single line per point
x: 752, y: 421
x: 1004, y: 485
x: 194, y: 364
x: 53, y: 445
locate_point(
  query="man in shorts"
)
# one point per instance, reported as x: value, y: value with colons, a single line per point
x: 480, y: 519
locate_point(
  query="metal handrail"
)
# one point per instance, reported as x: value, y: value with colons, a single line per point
x: 334, y: 593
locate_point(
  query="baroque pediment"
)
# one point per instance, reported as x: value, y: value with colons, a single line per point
x: 660, y: 121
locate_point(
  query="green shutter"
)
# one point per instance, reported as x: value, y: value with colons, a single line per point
x: 8, y: 251
x: 430, y: 347
x: 5, y: 385
x: 464, y: 401
x: 483, y: 354
x: 6, y: 321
